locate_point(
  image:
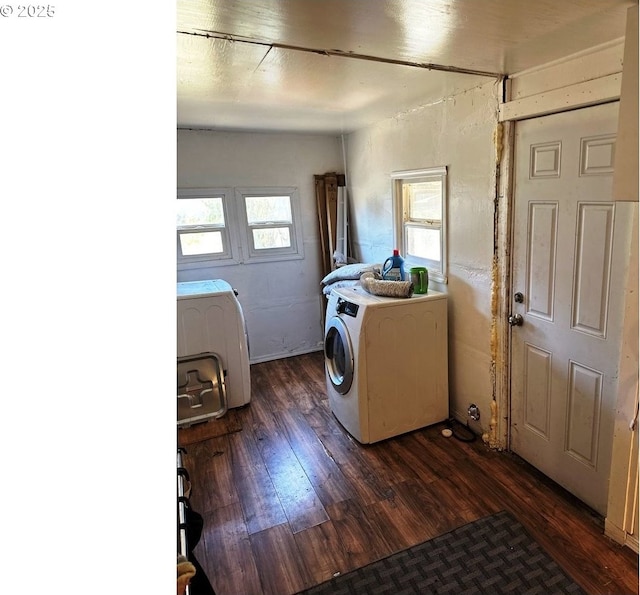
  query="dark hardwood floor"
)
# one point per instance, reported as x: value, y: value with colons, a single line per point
x: 289, y: 498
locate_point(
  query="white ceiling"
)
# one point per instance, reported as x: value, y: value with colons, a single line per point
x: 332, y: 66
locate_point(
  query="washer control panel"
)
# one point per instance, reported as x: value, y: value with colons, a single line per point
x: 348, y: 308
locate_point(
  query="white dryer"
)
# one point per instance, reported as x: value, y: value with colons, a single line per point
x: 210, y: 320
x: 386, y: 362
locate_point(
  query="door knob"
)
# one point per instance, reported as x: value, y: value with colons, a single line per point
x: 515, y: 320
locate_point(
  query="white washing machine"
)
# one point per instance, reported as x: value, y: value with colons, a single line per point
x: 386, y: 362
x: 210, y: 320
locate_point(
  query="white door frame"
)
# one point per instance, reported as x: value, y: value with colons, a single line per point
x: 573, y: 97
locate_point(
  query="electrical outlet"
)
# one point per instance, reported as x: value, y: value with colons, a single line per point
x: 473, y: 412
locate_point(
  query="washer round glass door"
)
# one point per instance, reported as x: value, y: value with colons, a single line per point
x: 338, y: 355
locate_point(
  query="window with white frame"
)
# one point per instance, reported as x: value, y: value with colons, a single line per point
x: 222, y: 226
x: 270, y: 220
x: 420, y: 199
x: 202, y: 224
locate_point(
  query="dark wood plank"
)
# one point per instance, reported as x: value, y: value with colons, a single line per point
x: 261, y: 505
x: 297, y: 387
x: 413, y: 454
x: 225, y: 553
x: 362, y: 541
x: 212, y: 428
x: 469, y: 504
x: 322, y: 471
x: 299, y: 500
x: 377, y: 498
x: 264, y: 382
x: 425, y: 503
x: 301, y: 504
x: 282, y: 571
x: 262, y: 419
x: 305, y: 368
x: 282, y: 387
x: 400, y: 521
x: 322, y: 552
x: 388, y: 465
x: 209, y: 466
x: 359, y: 468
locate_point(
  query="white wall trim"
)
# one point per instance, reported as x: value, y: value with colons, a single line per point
x: 586, y: 78
x: 419, y: 173
x: 281, y: 355
x: 620, y: 536
x: 571, y: 70
x: 613, y: 45
x: 593, y: 92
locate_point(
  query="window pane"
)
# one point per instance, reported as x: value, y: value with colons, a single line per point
x: 209, y: 242
x: 200, y: 211
x: 423, y: 243
x: 424, y: 199
x: 268, y: 209
x: 273, y: 237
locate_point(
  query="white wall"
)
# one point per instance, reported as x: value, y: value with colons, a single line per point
x: 281, y: 301
x: 456, y: 132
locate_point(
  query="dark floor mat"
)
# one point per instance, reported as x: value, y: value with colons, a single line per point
x: 492, y: 555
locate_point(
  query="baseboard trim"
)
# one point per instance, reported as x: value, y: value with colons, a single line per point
x: 620, y: 535
x: 275, y: 356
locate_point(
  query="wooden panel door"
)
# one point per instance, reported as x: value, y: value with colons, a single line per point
x: 569, y: 240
